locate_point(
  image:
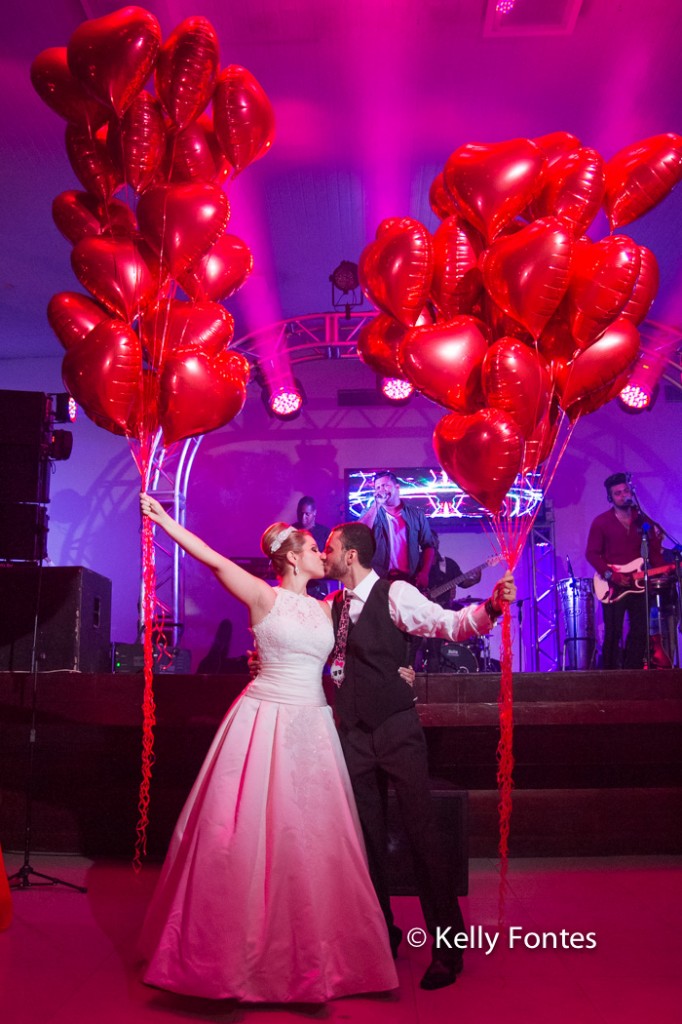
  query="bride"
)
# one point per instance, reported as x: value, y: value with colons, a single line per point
x: 264, y: 895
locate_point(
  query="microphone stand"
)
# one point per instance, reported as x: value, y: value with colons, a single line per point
x: 519, y: 605
x: 677, y: 549
x: 645, y: 559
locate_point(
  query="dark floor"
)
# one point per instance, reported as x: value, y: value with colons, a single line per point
x: 68, y: 958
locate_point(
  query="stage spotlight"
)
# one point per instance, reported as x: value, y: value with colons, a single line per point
x: 638, y: 397
x: 396, y: 390
x: 286, y: 401
x: 61, y: 445
x: 641, y: 390
x: 345, y: 284
x: 65, y: 408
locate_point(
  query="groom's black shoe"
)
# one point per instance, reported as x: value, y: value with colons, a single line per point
x: 395, y: 936
x: 442, y: 971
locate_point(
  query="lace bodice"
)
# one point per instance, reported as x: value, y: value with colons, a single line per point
x: 294, y: 641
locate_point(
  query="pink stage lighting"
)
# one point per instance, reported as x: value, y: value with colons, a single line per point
x: 636, y: 397
x: 395, y: 389
x: 286, y: 402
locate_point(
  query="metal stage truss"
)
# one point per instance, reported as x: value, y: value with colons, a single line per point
x: 334, y: 336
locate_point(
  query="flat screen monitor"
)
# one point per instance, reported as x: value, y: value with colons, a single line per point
x: 442, y: 501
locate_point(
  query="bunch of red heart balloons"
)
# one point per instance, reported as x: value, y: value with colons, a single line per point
x: 148, y: 346
x: 508, y: 314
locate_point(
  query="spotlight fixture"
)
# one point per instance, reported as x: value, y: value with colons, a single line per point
x: 641, y: 390
x: 396, y: 390
x: 638, y: 397
x: 65, y: 408
x: 345, y: 287
x: 285, y: 402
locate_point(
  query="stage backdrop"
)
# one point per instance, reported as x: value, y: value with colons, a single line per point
x: 253, y: 471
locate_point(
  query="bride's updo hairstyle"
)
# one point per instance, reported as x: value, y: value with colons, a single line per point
x: 278, y: 540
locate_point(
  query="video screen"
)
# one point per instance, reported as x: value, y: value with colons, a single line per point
x: 430, y: 489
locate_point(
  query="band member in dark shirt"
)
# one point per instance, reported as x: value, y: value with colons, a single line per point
x: 615, y: 540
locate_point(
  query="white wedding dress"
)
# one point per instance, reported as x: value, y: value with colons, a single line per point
x: 265, y: 895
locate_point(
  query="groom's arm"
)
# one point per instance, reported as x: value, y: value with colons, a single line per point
x: 415, y: 614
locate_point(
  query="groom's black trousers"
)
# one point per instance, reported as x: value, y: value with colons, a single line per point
x: 395, y: 752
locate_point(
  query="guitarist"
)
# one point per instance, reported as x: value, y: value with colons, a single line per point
x: 615, y: 539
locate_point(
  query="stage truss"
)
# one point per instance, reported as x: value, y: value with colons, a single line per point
x: 333, y: 336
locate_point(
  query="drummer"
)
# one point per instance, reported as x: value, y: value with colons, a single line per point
x: 443, y: 569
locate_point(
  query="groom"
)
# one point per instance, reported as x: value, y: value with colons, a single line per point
x: 379, y: 728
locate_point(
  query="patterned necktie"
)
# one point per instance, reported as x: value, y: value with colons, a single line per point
x: 339, y: 652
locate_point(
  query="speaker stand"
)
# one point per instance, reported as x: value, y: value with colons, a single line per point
x: 22, y: 879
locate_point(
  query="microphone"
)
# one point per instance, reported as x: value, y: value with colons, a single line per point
x: 570, y: 568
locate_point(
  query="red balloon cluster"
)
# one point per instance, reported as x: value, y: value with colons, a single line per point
x: 139, y: 356
x: 508, y: 315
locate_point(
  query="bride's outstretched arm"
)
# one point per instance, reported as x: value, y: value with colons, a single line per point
x: 253, y: 592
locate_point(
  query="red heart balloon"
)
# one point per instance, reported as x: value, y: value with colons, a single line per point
x: 243, y: 117
x: 640, y: 176
x: 556, y: 145
x: 81, y: 215
x: 378, y: 345
x: 113, y: 56
x: 204, y: 327
x: 440, y: 200
x: 186, y: 69
x: 198, y: 394
x: 539, y: 445
x: 482, y: 453
x: 527, y: 273
x: 556, y: 340
x: 117, y: 273
x: 444, y: 361
x: 491, y: 184
x: 103, y: 372
x: 73, y: 316
x: 603, y: 280
x: 515, y: 379
x: 92, y: 162
x: 574, y: 189
x: 181, y: 222
x: 593, y: 372
x: 56, y: 86
x: 221, y: 272
x: 138, y: 142
x: 644, y: 289
x: 457, y: 281
x: 396, y: 270
x: 194, y: 154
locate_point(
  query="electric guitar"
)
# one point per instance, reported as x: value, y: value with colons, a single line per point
x: 451, y: 584
x: 609, y: 592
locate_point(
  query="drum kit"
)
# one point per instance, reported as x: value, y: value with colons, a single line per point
x: 462, y: 658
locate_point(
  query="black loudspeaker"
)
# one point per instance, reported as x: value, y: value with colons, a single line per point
x: 451, y: 838
x: 24, y: 473
x: 23, y: 533
x: 24, y: 417
x: 74, y: 619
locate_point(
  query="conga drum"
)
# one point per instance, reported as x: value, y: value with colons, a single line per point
x: 577, y: 607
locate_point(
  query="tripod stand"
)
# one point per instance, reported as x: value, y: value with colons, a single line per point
x: 22, y: 879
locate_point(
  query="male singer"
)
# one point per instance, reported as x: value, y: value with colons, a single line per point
x: 616, y: 538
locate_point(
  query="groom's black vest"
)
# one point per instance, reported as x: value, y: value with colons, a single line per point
x: 372, y: 690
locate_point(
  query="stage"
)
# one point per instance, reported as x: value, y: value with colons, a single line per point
x: 598, y: 758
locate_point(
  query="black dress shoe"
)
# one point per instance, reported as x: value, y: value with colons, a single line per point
x: 442, y: 972
x: 395, y: 937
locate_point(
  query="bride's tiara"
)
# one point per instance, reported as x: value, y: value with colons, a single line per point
x: 280, y: 538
